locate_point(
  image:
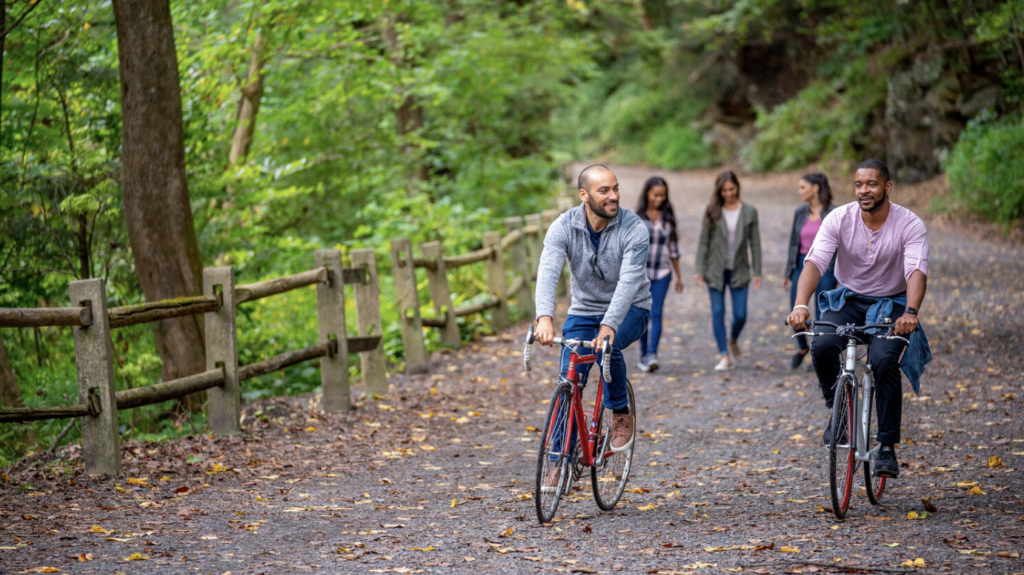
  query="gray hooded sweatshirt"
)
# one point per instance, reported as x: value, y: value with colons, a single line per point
x: 622, y: 258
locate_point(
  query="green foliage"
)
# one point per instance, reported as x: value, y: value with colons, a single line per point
x: 824, y: 121
x: 985, y: 171
x: 676, y: 147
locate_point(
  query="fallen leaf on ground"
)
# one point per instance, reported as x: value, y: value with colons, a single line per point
x: 98, y: 529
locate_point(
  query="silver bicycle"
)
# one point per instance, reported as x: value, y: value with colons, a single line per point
x: 852, y: 414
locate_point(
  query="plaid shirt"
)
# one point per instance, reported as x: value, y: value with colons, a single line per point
x: 662, y: 250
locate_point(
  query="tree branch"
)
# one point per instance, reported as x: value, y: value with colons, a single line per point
x: 31, y: 7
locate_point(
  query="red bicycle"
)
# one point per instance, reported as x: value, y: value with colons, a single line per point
x: 564, y: 448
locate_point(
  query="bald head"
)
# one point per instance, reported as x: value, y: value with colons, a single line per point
x: 590, y: 174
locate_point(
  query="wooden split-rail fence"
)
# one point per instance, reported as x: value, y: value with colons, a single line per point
x: 92, y: 322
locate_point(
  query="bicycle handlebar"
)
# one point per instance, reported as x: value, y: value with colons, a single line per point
x: 531, y: 337
x: 845, y: 330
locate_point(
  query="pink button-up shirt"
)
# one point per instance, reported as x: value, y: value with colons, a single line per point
x: 870, y: 263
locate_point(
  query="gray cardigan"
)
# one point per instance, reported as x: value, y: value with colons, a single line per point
x: 621, y: 257
x: 713, y: 247
x: 799, y: 219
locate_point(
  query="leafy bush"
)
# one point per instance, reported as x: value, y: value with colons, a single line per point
x: 678, y: 147
x: 986, y: 168
x: 822, y: 122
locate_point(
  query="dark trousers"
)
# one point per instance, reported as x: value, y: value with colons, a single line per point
x: 826, y: 283
x: 828, y: 351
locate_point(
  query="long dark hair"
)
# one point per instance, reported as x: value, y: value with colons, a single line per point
x: 824, y: 191
x: 714, y: 210
x: 667, y: 213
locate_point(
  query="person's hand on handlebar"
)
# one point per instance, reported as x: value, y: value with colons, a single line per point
x: 906, y: 324
x: 545, y: 332
x: 798, y: 318
x: 605, y: 332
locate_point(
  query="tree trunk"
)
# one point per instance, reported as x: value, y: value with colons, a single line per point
x: 10, y: 393
x: 409, y: 115
x: 153, y: 180
x: 252, y: 93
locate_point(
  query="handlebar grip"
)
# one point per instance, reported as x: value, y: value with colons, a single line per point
x: 606, y: 361
x: 528, y: 349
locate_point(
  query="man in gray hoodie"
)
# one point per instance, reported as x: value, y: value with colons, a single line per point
x: 611, y: 296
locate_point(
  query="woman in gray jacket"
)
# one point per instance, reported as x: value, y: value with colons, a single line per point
x: 728, y: 229
x: 817, y: 197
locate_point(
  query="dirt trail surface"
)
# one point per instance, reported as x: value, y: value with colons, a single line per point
x: 438, y: 478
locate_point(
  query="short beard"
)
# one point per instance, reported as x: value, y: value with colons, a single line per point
x: 874, y: 207
x: 598, y: 210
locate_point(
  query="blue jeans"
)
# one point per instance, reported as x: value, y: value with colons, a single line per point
x: 826, y: 283
x: 659, y: 289
x: 587, y: 327
x: 739, y: 312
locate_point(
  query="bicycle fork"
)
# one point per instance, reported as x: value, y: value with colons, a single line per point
x: 861, y: 403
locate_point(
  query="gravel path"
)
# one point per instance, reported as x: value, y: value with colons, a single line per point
x: 729, y: 472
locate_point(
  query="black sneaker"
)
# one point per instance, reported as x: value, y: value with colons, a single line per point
x: 797, y: 359
x: 886, y: 464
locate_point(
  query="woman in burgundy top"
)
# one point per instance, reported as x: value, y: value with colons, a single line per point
x: 817, y: 197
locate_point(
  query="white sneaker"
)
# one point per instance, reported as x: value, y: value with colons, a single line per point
x: 725, y: 364
x: 652, y: 363
x: 642, y: 366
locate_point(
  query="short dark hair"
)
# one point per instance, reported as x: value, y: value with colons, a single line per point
x: 877, y: 165
x: 583, y: 182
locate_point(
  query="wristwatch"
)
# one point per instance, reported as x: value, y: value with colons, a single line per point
x: 911, y: 310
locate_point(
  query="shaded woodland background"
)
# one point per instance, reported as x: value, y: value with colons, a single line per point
x: 141, y: 141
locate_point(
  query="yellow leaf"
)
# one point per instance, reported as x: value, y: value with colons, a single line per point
x: 912, y: 515
x: 462, y: 420
x: 995, y: 462
x: 135, y: 557
x: 426, y: 447
x: 138, y: 480
x: 531, y: 428
x: 891, y: 544
x: 86, y: 26
x: 310, y: 428
x: 427, y: 415
x: 119, y: 488
x: 165, y: 478
x: 785, y: 549
x: 454, y: 503
x: 975, y: 491
x: 98, y: 529
x: 798, y: 437
x: 431, y: 548
x: 647, y: 507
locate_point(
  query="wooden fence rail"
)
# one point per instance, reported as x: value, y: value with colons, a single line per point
x: 522, y: 243
x: 91, y: 320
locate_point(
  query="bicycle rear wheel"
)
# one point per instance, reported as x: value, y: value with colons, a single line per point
x: 609, y: 479
x: 875, y: 485
x: 843, y: 447
x: 552, y: 455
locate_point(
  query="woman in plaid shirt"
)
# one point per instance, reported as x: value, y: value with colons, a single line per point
x: 656, y: 211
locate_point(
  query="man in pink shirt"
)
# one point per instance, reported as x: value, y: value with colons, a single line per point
x: 882, y: 257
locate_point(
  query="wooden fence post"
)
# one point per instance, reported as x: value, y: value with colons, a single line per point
x: 375, y: 379
x: 496, y: 280
x: 101, y: 442
x: 517, y: 256
x: 330, y: 313
x: 441, y: 294
x: 408, y: 306
x: 224, y: 405
x: 535, y: 243
x: 548, y: 217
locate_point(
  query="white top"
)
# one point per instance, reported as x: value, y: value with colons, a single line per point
x: 731, y: 217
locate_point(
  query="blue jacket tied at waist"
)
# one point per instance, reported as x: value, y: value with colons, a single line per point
x: 918, y: 353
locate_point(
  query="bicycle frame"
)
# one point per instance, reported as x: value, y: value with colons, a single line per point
x: 577, y: 413
x: 861, y: 407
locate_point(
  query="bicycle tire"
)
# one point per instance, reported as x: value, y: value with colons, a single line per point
x: 875, y: 486
x: 557, y: 416
x: 841, y: 458
x: 608, y: 481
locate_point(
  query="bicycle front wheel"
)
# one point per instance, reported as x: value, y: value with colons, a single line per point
x: 609, y: 479
x: 875, y: 485
x: 841, y: 461
x: 552, y: 455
